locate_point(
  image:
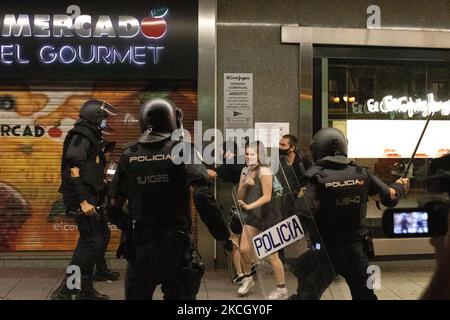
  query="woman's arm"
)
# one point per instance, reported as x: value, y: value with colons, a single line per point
x: 242, y: 188
x: 266, y: 183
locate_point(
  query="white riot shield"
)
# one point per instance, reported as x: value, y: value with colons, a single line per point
x: 280, y: 242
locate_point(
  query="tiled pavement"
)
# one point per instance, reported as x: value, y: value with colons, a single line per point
x: 400, y: 280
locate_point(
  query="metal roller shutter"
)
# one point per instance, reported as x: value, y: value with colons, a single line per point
x: 33, y: 123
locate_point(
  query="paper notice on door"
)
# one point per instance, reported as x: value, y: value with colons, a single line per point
x: 238, y: 100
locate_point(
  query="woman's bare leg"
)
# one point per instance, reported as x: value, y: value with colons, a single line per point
x: 235, y: 254
x: 246, y: 246
x: 278, y: 268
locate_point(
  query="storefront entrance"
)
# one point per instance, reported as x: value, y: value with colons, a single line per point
x: 375, y: 86
x: 354, y: 89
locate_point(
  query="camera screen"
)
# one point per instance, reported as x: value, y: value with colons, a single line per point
x: 415, y: 222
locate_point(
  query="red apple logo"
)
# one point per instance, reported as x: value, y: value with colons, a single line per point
x: 155, y: 27
x: 54, y: 132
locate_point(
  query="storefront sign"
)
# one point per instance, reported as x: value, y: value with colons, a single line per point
x: 61, y: 25
x: 409, y: 106
x: 46, y: 26
x: 238, y: 100
x: 145, y: 40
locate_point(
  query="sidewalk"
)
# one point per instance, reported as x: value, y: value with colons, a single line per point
x: 401, y: 280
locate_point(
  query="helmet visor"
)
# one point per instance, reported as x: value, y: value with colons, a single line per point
x: 109, y: 109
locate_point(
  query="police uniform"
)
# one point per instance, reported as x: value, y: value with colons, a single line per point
x: 156, y: 232
x: 82, y: 149
x: 336, y: 196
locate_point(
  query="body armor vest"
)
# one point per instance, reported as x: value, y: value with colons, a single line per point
x: 92, y: 170
x: 342, y: 193
x: 158, y: 192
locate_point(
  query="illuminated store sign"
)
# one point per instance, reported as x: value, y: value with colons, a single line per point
x: 90, y: 40
x: 409, y: 106
x: 59, y: 26
x: 397, y: 138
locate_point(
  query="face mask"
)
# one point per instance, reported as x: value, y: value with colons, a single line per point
x: 283, y: 152
x: 103, y: 124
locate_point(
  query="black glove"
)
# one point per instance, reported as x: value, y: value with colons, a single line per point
x: 399, y: 189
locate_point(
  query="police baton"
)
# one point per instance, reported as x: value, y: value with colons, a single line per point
x: 408, y: 166
x: 405, y: 172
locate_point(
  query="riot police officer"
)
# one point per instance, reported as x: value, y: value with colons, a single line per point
x: 156, y: 231
x: 82, y: 187
x: 336, y: 194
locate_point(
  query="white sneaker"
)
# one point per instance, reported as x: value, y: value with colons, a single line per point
x: 279, y: 294
x: 246, y: 285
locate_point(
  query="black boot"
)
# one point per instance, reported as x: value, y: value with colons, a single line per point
x: 62, y: 292
x: 88, y: 291
x: 103, y: 273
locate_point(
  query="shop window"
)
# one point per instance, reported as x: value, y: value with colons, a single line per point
x: 383, y: 140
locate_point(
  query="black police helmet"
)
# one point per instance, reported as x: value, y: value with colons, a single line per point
x: 94, y: 111
x: 328, y: 142
x: 158, y: 119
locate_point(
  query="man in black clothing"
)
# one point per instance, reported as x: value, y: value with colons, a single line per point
x: 335, y: 196
x: 157, y: 184
x: 292, y: 161
x: 292, y: 168
x: 83, y: 189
